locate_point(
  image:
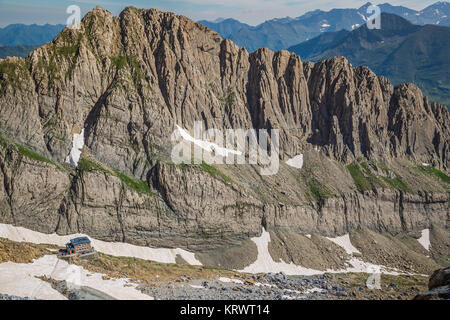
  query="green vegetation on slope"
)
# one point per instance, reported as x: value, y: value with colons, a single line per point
x: 119, y: 62
x: 397, y: 183
x: 137, y: 75
x: 435, y: 173
x: 365, y: 179
x: 32, y: 155
x: 361, y: 182
x: 25, y: 152
x: 318, y: 190
x: 215, y: 172
x: 13, y: 72
x: 135, y: 184
x: 87, y: 165
x: 230, y: 97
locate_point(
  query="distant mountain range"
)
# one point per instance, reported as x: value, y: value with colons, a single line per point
x: 16, y: 51
x: 275, y: 34
x: 282, y: 33
x: 401, y: 51
x: 28, y: 35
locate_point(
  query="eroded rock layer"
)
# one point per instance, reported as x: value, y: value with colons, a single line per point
x: 374, y: 155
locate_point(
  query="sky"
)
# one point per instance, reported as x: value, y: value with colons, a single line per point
x: 252, y: 12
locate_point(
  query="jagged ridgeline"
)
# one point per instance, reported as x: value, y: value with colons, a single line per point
x: 374, y: 155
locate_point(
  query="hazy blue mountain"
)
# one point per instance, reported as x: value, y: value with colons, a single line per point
x: 282, y: 33
x: 401, y: 51
x: 28, y: 35
x: 438, y: 14
x: 225, y: 27
x: 17, y: 51
x: 309, y: 49
x: 398, y: 10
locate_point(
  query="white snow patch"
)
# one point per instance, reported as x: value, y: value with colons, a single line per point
x: 121, y: 249
x: 308, y: 236
x: 362, y: 16
x: 206, y: 145
x: 359, y: 266
x: 344, y: 242
x: 296, y: 162
x: 425, y: 164
x: 77, y: 146
x: 424, y: 240
x: 228, y: 280
x: 20, y: 280
x: 259, y: 284
x: 265, y: 264
x: 314, y: 290
x: 197, y: 287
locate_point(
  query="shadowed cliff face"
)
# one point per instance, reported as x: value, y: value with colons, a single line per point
x: 129, y: 80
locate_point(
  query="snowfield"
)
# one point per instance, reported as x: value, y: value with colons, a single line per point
x: 344, y: 242
x: 77, y: 147
x: 424, y: 240
x: 296, y: 162
x: 264, y: 263
x: 206, y: 145
x: 228, y: 280
x: 20, y: 280
x: 118, y: 249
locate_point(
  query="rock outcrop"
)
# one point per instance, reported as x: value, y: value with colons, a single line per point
x: 439, y: 286
x: 129, y: 80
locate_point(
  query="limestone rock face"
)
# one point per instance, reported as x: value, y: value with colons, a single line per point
x: 439, y: 286
x: 439, y: 278
x: 129, y: 80
x: 32, y: 192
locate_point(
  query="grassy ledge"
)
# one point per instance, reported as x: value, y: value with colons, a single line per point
x: 398, y: 184
x: 319, y: 191
x: 13, y: 72
x: 215, y: 172
x: 86, y: 165
x: 32, y: 155
x: 26, y: 152
x: 361, y: 182
x: 365, y: 179
x: 435, y: 173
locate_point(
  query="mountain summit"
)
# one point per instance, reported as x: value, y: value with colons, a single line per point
x: 401, y: 51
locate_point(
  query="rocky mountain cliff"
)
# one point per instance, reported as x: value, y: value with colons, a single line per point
x: 401, y: 51
x: 374, y: 155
